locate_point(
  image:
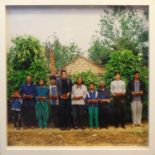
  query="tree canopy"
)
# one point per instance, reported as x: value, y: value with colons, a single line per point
x: 120, y: 28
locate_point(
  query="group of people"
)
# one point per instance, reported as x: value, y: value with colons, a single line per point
x: 33, y: 105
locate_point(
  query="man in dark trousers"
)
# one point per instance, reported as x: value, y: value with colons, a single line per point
x: 64, y: 88
x: 104, y: 105
x: 118, y: 91
x: 27, y: 91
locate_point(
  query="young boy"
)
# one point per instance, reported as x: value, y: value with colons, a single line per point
x: 16, y: 105
x: 53, y: 97
x: 92, y: 102
x: 42, y: 111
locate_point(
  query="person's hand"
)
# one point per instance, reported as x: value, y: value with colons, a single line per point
x: 64, y: 97
x: 15, y: 96
x: 30, y: 96
x: 80, y: 97
x: 93, y: 100
x: 68, y: 94
x: 41, y: 97
x: 27, y: 96
x: 137, y: 93
x: 105, y: 100
x: 77, y: 97
x: 53, y: 97
x: 118, y: 94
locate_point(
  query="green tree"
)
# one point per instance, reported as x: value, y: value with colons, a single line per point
x: 122, y: 28
x: 63, y: 53
x: 99, y: 53
x: 126, y: 63
x: 87, y: 77
x: 26, y: 57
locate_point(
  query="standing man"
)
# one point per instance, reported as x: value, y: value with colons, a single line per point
x: 27, y: 91
x: 118, y: 91
x: 136, y: 89
x: 104, y: 105
x: 64, y: 88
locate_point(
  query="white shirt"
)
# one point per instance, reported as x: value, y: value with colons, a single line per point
x: 79, y: 91
x: 117, y: 86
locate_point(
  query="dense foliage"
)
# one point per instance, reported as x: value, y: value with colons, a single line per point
x: 120, y: 28
x: 87, y: 78
x: 126, y: 63
x: 26, y: 57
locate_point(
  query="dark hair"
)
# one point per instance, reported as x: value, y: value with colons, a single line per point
x: 63, y: 70
x: 92, y: 83
x: 43, y: 80
x: 116, y: 73
x: 78, y: 78
x: 53, y: 77
x: 135, y: 72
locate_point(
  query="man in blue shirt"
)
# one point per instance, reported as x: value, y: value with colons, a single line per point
x: 27, y: 91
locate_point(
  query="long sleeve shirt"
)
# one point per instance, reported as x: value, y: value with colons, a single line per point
x: 117, y: 86
x: 79, y: 91
x: 42, y: 91
x: 27, y: 89
x: 103, y: 94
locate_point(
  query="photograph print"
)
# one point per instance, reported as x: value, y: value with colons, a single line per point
x: 77, y: 75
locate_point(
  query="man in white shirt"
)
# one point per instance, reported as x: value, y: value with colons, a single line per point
x: 118, y: 91
x: 79, y: 91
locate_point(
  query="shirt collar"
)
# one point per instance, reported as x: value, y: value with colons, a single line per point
x: 102, y: 89
x: 77, y: 86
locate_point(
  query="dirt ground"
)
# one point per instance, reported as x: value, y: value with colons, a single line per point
x: 137, y: 136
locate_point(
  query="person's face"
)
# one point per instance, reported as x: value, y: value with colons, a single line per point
x: 41, y: 82
x: 53, y: 82
x: 102, y: 85
x: 136, y: 76
x: 28, y: 79
x: 117, y: 77
x: 79, y: 81
x: 91, y: 87
x: 64, y: 75
x: 16, y: 93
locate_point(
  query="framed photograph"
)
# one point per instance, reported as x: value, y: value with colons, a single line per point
x: 77, y: 77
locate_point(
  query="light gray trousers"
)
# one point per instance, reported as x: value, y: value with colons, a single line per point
x: 136, y: 108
